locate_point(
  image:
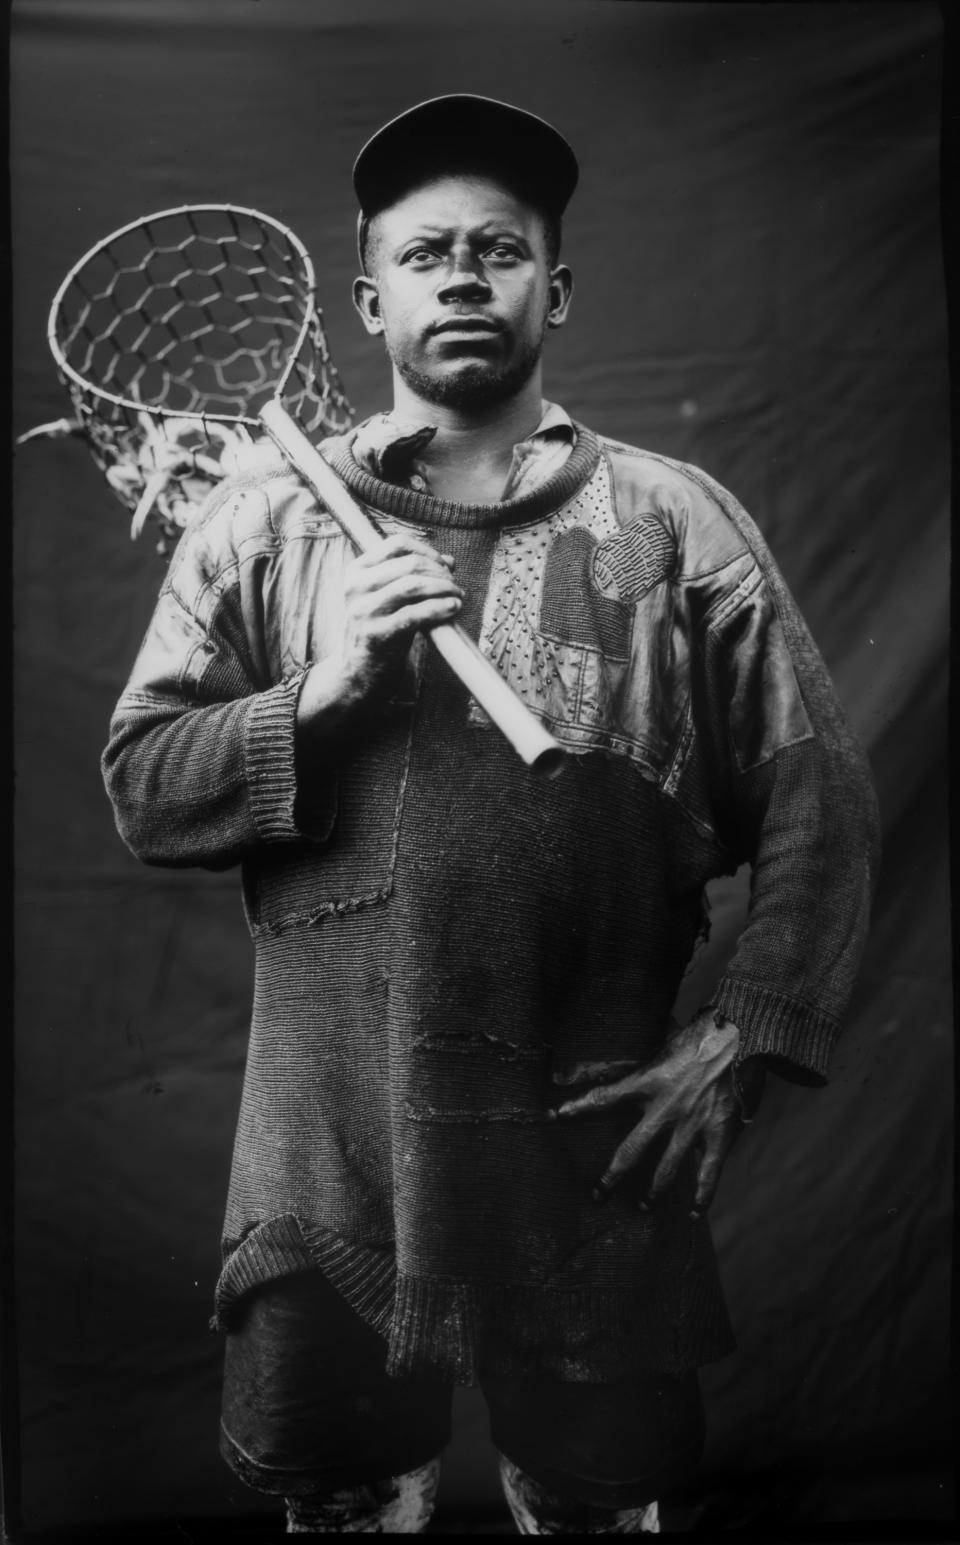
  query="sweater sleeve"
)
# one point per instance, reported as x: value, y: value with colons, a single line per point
x: 201, y: 762
x: 793, y: 798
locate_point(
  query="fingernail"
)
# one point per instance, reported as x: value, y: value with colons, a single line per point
x: 599, y: 1194
x: 644, y: 1205
x: 551, y: 1113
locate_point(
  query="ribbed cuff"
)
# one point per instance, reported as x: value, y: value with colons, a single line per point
x: 772, y: 1025
x: 365, y: 1275
x: 273, y: 1249
x: 271, y: 767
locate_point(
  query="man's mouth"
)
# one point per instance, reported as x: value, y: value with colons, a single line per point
x: 466, y: 324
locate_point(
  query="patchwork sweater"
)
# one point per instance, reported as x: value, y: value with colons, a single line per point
x: 445, y: 945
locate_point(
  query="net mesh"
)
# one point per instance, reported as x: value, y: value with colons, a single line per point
x: 172, y: 333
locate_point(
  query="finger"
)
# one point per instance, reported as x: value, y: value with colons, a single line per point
x: 404, y: 593
x: 604, y: 1096
x: 422, y: 614
x: 396, y: 545
x: 665, y: 1174
x: 373, y: 577
x: 716, y: 1145
x: 627, y: 1157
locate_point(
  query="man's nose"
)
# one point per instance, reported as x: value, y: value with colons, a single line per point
x: 465, y: 277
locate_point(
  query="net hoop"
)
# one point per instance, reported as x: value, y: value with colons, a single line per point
x: 131, y: 403
x: 170, y: 334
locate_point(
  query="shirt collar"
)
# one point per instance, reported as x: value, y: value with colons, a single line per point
x: 388, y: 444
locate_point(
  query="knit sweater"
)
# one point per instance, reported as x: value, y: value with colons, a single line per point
x: 446, y: 945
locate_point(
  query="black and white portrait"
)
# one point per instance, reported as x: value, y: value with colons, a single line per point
x: 480, y: 495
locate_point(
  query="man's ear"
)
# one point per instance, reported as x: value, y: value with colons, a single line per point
x: 561, y: 294
x: 366, y: 298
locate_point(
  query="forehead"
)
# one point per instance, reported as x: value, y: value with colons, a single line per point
x: 455, y: 203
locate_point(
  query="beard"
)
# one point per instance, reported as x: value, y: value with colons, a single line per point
x: 476, y: 383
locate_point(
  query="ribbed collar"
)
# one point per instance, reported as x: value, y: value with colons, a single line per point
x: 423, y: 509
x: 389, y: 445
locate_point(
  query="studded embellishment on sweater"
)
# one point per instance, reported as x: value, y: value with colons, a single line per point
x: 578, y: 620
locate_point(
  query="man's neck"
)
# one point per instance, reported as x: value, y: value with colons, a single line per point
x: 469, y: 458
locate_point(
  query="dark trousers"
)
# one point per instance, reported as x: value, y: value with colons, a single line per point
x: 308, y: 1410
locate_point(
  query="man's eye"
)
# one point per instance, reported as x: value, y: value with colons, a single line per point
x: 420, y: 255
x: 503, y: 251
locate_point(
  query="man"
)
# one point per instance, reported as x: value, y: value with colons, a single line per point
x: 473, y: 1144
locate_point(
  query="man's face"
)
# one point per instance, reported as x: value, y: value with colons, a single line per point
x: 461, y: 290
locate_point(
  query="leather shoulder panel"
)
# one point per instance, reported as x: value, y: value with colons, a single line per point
x: 648, y: 486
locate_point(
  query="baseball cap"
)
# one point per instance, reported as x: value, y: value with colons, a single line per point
x: 461, y: 132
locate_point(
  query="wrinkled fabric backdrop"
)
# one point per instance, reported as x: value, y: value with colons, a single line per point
x: 760, y: 291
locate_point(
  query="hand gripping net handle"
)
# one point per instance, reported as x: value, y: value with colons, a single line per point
x: 171, y: 333
x: 534, y: 744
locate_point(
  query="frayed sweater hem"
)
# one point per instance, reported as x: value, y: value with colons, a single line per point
x: 462, y: 1332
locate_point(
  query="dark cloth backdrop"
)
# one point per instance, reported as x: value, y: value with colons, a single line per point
x: 759, y: 291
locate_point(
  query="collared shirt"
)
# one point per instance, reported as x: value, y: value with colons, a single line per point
x: 389, y: 445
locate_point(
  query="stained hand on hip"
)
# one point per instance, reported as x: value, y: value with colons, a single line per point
x: 690, y: 1102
